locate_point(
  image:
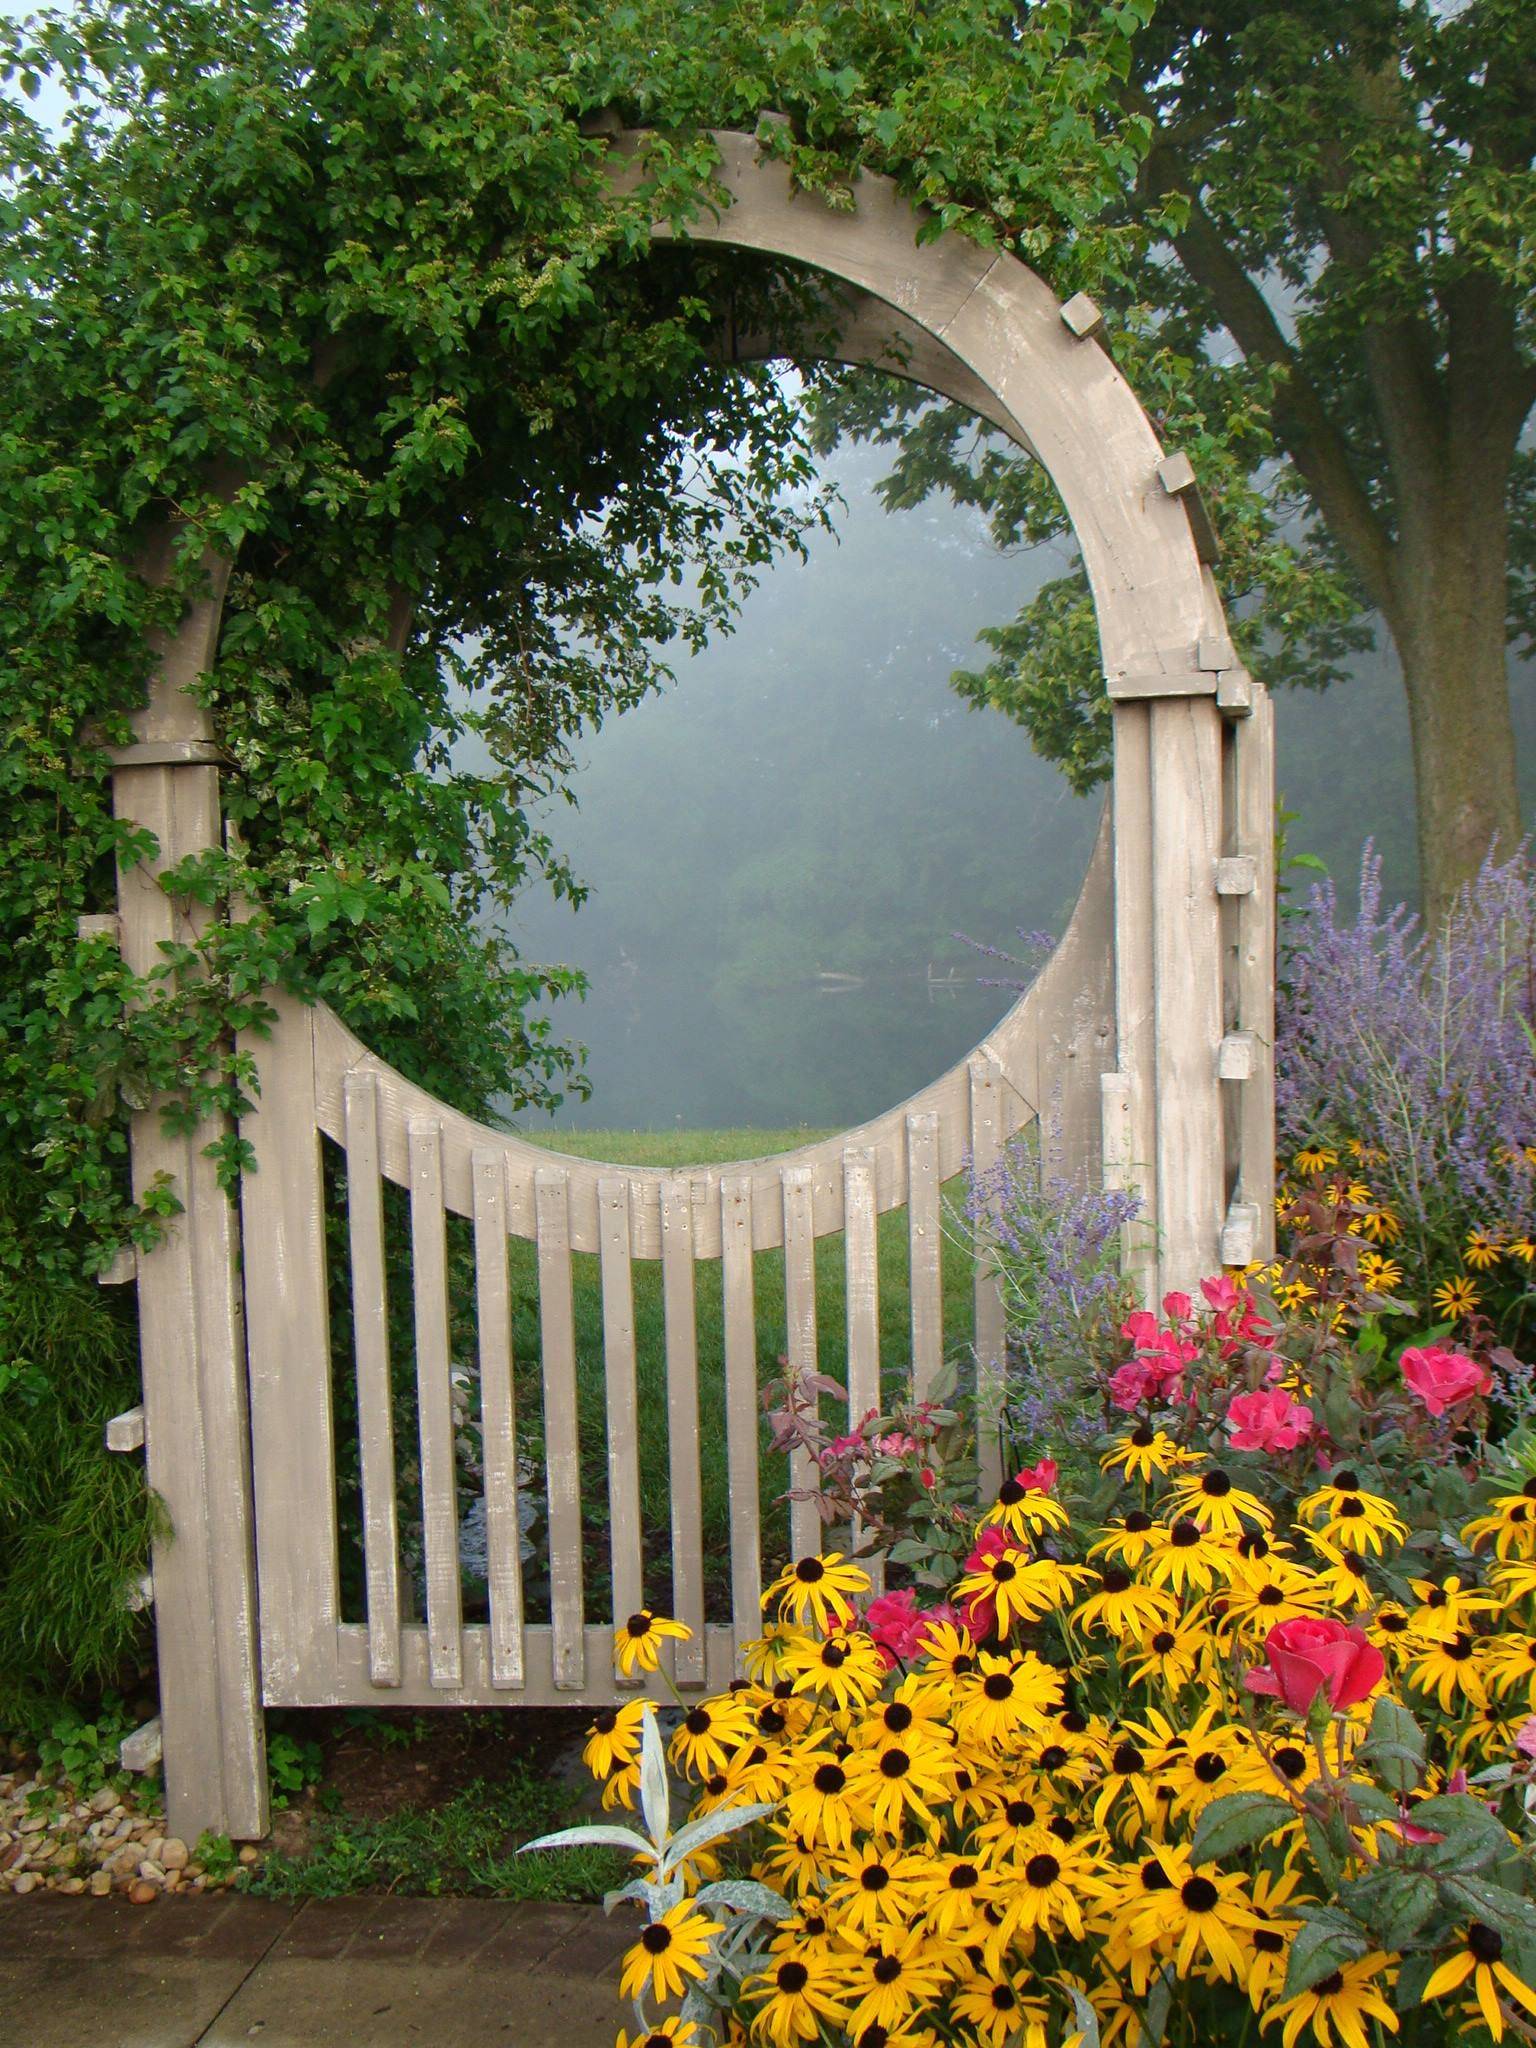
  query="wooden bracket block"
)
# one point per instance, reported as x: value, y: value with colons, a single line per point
x: 140, y: 1594
x: 1237, y: 874
x: 1237, y: 1057
x: 124, y: 1267
x: 1239, y: 1234
x: 1083, y: 317
x: 1176, y: 474
x: 125, y: 1432
x: 1234, y: 693
x: 140, y: 1751
x: 99, y: 926
x: 169, y: 754
x: 1211, y: 652
x: 1189, y: 682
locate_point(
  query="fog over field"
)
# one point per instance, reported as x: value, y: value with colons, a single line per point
x: 781, y: 849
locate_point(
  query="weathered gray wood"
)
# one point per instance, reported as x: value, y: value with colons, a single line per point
x: 986, y: 1147
x: 375, y: 1401
x: 683, y: 1466
x: 1134, y: 1011
x: 743, y: 1417
x: 1082, y: 315
x: 1238, y: 1056
x: 562, y: 1441
x: 434, y: 1404
x: 861, y: 1266
x: 121, y: 1270
x: 805, y: 1528
x: 925, y: 1252
x: 625, y: 1533
x: 1236, y: 875
x: 498, y: 1419
x: 144, y: 1748
x: 125, y: 1432
x: 350, y: 1686
x: 1239, y: 1234
x: 1254, y: 824
x: 1187, y: 981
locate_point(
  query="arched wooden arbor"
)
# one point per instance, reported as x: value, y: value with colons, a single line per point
x: 1149, y: 1034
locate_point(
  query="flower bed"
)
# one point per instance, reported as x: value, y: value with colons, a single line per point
x: 1236, y: 1741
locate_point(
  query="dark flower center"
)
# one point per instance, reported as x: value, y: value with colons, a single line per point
x: 1290, y: 1761
x: 1271, y: 1596
x: 1346, y: 1481
x: 1143, y: 1436
x: 873, y: 2036
x: 1252, y: 1544
x: 606, y: 1722
x: 898, y: 1716
x: 1209, y: 1767
x: 1267, y: 1942
x: 1042, y: 1871
x: 1153, y: 1876
x: 874, y: 1877
x: 1018, y: 1813
x: 963, y: 1663
x: 1115, y: 1581
x: 1436, y: 1598
x: 962, y: 1876
x: 1074, y: 1722
x: 1127, y: 1759
x: 1216, y: 1484
x: 791, y: 1977
x: 656, y: 1939
x: 1052, y: 1757
x: 699, y: 1721
x: 895, y: 1763
x: 1003, y: 1571
x: 716, y: 1784
x: 1184, y: 1533
x: 1331, y: 1985
x: 1138, y: 1521
x: 1392, y: 1621
x: 1164, y: 1641
x: 1010, y: 1492
x: 1529, y: 1487
x: 1486, y: 1943
x: 1459, y: 1650
x: 1199, y: 1894
x: 997, y: 1685
x: 809, y: 1570
x: 834, y: 1656
x: 1351, y: 1509
x: 638, y: 1625
x: 770, y: 1721
x: 829, y: 1778
x: 887, y: 1970
x: 1003, y: 1999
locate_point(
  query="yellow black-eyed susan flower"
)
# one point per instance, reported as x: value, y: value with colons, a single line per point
x: 671, y: 1951
x: 637, y: 1644
x: 1144, y: 1453
x: 1479, y: 1963
x: 818, y: 1590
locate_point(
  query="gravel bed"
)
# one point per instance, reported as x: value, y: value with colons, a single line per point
x: 108, y: 1843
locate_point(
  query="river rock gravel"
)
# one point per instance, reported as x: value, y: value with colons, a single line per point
x: 114, y: 1841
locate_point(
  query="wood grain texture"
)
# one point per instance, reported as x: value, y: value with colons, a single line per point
x: 743, y: 1415
x: 625, y: 1531
x: 925, y: 1252
x: 990, y: 1338
x: 683, y: 1466
x: 434, y: 1404
x: 562, y: 1441
x: 498, y: 1420
x: 375, y: 1395
x: 805, y: 1527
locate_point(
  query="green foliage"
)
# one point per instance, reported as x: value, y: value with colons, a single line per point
x: 466, y: 1847
x: 293, y: 1765
x: 82, y: 1754
x: 75, y: 1518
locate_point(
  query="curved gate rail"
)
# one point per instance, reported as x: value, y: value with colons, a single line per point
x: 315, y: 1079
x: 1153, y: 1026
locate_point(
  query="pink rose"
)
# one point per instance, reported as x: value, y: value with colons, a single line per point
x: 1178, y: 1308
x: 897, y: 1445
x: 896, y: 1625
x: 1039, y: 1478
x: 1316, y: 1654
x: 1443, y: 1379
x: 1525, y: 1737
x: 1130, y: 1385
x: 1267, y: 1422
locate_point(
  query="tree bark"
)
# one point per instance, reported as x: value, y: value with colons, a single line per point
x: 1447, y: 616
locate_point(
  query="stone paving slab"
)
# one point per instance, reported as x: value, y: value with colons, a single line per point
x: 100, y: 1973
x: 333, y: 1973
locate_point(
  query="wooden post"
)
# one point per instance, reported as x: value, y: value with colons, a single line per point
x: 197, y: 1438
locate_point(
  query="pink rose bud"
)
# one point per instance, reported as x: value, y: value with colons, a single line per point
x: 1443, y: 1379
x: 1315, y: 1654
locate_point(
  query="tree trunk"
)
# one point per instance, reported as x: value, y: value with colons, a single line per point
x: 1448, y: 620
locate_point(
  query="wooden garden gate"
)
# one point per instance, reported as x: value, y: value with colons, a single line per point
x: 1148, y: 1037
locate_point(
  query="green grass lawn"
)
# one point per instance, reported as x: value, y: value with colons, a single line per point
x: 693, y: 1148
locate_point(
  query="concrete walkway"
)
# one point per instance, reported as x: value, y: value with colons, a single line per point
x: 333, y: 1973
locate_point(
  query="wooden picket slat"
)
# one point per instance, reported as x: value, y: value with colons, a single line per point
x: 805, y: 1528
x: 434, y: 1401
x: 375, y: 1408
x: 742, y: 1413
x: 625, y: 1534
x: 925, y: 1250
x: 498, y: 1419
x: 562, y: 1444
x: 680, y: 1318
x: 986, y: 1144
x: 861, y: 1261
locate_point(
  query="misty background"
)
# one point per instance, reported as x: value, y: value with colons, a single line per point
x: 782, y: 847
